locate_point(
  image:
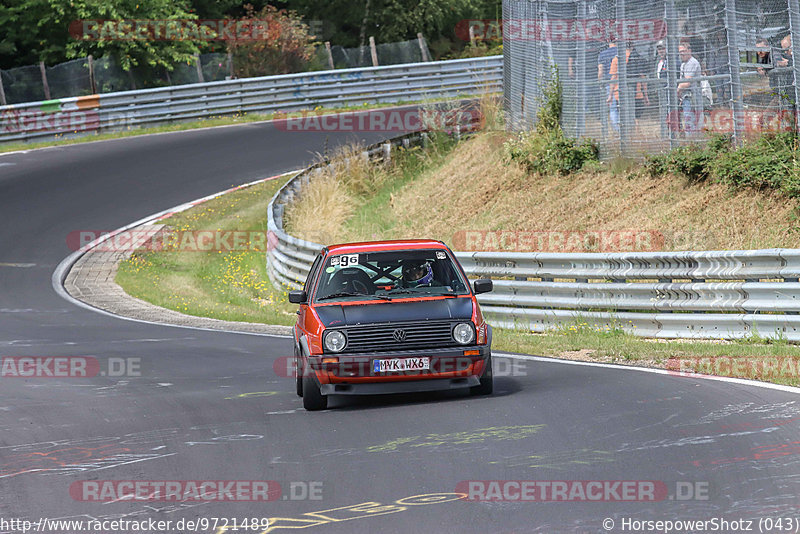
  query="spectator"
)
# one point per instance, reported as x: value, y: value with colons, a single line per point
x: 690, y: 68
x: 636, y: 68
x: 783, y: 79
x: 717, y: 63
x: 784, y: 86
x: 604, y: 59
x: 661, y: 61
x: 764, y: 57
x: 696, y: 42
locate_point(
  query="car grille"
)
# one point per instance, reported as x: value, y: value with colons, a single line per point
x: 373, y: 338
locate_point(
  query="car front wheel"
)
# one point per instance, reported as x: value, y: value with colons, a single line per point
x: 312, y: 398
x: 298, y: 366
x: 487, y: 381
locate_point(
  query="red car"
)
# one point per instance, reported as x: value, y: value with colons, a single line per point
x: 389, y: 317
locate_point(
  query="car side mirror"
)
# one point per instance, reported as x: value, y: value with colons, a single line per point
x: 297, y: 296
x: 484, y: 285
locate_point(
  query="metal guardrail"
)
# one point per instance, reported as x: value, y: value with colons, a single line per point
x: 412, y: 82
x: 711, y: 295
x: 289, y: 258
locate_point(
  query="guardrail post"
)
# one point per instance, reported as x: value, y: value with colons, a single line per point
x: 44, y: 80
x: 199, y: 68
x: 387, y: 153
x: 330, y: 54
x: 422, y: 48
x: 2, y: 91
x: 92, y: 82
x: 373, y: 51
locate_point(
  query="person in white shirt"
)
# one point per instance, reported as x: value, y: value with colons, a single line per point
x: 690, y: 68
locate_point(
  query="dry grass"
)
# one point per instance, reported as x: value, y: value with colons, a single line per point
x: 474, y: 190
x: 330, y: 199
x: 323, y: 207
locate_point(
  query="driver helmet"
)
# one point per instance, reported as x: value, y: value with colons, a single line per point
x: 417, y: 272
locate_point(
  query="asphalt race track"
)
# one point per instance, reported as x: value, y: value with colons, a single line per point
x: 210, y: 405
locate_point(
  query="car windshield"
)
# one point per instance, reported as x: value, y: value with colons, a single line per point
x: 390, y: 274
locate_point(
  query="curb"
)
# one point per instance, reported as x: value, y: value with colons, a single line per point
x: 86, y: 278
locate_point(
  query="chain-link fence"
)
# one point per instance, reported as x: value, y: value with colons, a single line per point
x: 413, y: 51
x: 690, y: 69
x: 84, y: 76
x: 81, y: 77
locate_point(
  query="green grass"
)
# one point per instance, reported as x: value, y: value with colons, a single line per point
x: 755, y: 358
x: 228, y: 285
x: 371, y: 219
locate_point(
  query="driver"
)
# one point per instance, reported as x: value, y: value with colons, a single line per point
x: 417, y: 273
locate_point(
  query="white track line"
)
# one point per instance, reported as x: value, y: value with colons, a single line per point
x: 60, y: 274
x: 677, y: 374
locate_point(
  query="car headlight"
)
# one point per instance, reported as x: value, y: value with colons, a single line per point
x: 335, y: 341
x: 463, y: 333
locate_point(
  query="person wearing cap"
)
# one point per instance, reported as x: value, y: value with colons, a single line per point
x: 661, y: 60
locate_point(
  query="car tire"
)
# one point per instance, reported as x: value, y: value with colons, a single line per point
x: 299, y: 378
x: 486, y: 387
x: 313, y: 400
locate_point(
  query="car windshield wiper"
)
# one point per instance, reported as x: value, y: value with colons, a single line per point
x: 348, y: 294
x: 401, y: 291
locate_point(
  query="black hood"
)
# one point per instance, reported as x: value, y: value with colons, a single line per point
x: 390, y: 312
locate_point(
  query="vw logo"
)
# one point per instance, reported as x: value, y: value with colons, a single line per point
x: 399, y: 335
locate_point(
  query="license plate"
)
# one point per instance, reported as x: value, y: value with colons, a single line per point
x: 401, y: 364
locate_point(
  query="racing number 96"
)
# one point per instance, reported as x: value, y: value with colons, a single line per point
x: 345, y: 260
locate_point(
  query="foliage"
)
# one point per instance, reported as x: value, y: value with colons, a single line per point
x: 771, y: 161
x: 288, y: 46
x: 548, y: 118
x: 547, y: 149
x: 129, y: 53
x: 391, y: 20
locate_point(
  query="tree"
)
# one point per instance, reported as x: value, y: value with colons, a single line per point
x: 286, y: 45
x: 392, y: 20
x: 27, y: 35
x: 114, y: 39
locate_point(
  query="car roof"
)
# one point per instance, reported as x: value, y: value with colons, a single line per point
x: 374, y: 246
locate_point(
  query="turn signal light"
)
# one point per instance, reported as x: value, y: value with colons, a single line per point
x: 330, y: 360
x: 472, y: 353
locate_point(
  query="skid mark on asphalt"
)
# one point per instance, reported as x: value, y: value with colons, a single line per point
x: 353, y: 512
x: 558, y: 460
x: 253, y: 394
x: 69, y: 457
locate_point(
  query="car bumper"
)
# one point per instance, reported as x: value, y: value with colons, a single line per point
x: 405, y: 386
x: 354, y: 374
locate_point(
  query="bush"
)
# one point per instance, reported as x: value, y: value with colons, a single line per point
x: 550, y: 152
x: 288, y: 46
x: 767, y: 162
x: 547, y: 149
